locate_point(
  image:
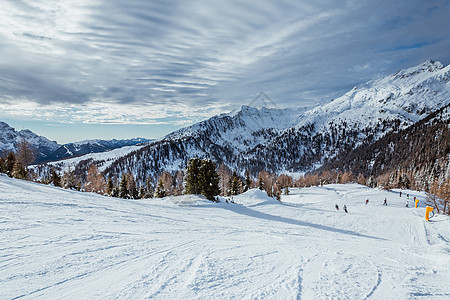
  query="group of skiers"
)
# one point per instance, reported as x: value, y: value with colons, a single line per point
x: 344, y: 208
x: 407, y: 198
x: 367, y: 201
x: 384, y: 203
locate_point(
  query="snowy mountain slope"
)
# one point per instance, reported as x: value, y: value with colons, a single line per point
x: 243, y: 129
x: 408, y: 95
x: 10, y: 138
x: 361, y: 116
x: 63, y: 244
x: 426, y: 144
x: 294, y: 140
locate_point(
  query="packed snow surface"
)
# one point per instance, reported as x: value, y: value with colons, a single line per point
x: 58, y: 243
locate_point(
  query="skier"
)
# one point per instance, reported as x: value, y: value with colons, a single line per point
x: 406, y: 205
x: 400, y: 193
x: 407, y: 196
x: 385, y: 202
x: 345, y: 208
x: 337, y: 207
x: 367, y: 201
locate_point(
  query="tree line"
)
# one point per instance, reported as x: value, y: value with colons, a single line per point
x: 203, y: 176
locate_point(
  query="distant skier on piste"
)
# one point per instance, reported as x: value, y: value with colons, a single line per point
x: 337, y: 207
x: 385, y: 202
x: 367, y: 201
x: 345, y: 208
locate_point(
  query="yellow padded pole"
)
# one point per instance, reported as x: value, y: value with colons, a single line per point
x: 427, y: 212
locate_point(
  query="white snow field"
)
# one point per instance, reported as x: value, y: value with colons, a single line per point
x: 61, y: 244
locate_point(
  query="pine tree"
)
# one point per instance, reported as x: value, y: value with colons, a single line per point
x: 371, y: 182
x: 202, y: 178
x: 229, y: 184
x: 192, y: 180
x: 248, y: 182
x: 2, y: 165
x: 19, y: 171
x: 9, y: 164
x: 235, y: 185
x: 109, y: 186
x: 142, y: 192
x: 149, y: 187
x: 160, y: 192
x: 123, y: 190
x: 209, y: 179
x: 115, y: 192
x: 69, y: 180
x: 55, y: 179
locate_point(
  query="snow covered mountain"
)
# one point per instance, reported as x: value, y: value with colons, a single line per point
x: 297, y: 140
x: 409, y: 94
x: 92, y: 146
x: 426, y: 144
x: 47, y: 150
x: 10, y: 138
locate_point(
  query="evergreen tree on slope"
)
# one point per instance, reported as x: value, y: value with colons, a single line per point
x: 160, y: 191
x: 192, y: 178
x: 123, y: 189
x: 209, y: 179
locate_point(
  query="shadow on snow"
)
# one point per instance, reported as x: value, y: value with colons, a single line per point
x: 265, y: 216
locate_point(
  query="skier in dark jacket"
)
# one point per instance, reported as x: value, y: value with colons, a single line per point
x: 337, y: 207
x: 385, y: 202
x: 345, y: 208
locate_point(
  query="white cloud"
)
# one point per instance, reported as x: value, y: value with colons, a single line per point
x: 117, y: 61
x: 108, y: 113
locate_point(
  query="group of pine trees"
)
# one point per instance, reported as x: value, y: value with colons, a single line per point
x: 16, y: 164
x: 202, y: 178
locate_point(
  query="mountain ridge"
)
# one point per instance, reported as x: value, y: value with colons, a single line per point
x: 47, y: 150
x: 294, y: 140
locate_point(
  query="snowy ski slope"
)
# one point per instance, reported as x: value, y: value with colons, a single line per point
x: 60, y: 244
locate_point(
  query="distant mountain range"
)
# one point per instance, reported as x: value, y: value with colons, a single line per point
x: 93, y: 146
x: 289, y: 140
x: 46, y: 150
x: 10, y: 138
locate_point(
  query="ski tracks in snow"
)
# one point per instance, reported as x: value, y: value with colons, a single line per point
x: 74, y: 245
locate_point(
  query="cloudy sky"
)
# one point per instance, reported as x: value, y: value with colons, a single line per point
x: 73, y: 70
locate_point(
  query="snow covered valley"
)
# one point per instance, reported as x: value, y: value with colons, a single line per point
x: 57, y: 243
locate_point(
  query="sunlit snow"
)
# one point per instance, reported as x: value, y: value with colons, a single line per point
x: 57, y: 243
